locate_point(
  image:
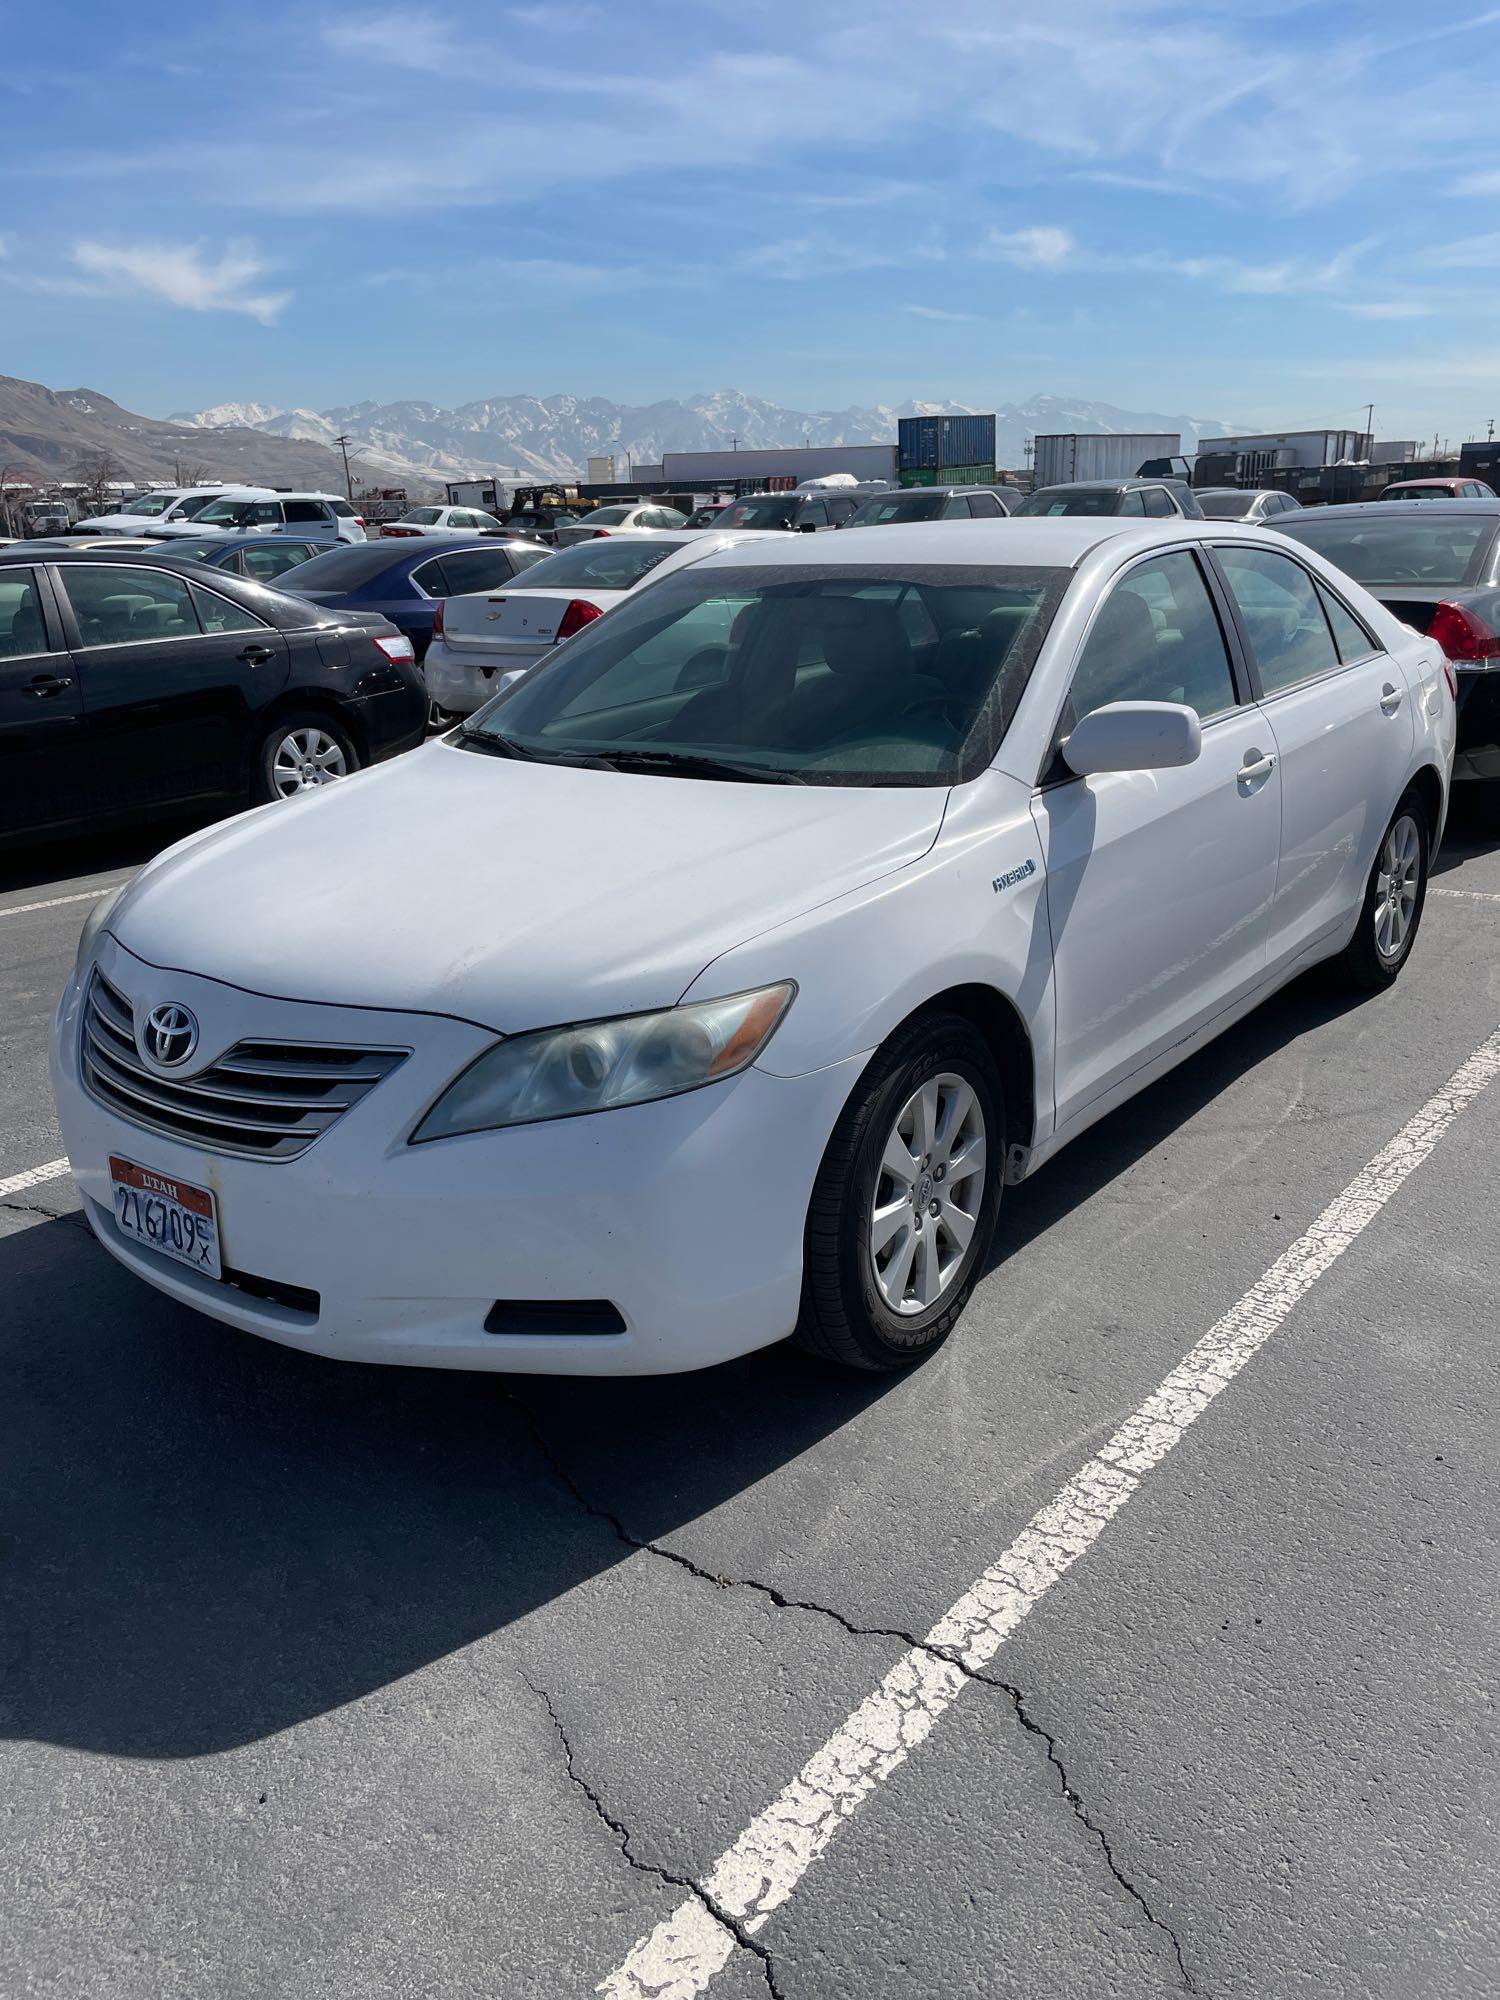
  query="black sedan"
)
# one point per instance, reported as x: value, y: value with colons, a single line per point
x: 1438, y: 569
x: 131, y: 684
x: 406, y: 581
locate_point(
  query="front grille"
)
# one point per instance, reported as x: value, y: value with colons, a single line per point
x: 267, y: 1100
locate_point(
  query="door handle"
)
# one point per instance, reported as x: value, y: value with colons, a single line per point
x: 1390, y: 699
x: 255, y: 656
x: 42, y: 685
x: 1255, y: 767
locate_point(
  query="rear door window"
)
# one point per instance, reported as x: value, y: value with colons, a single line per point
x: 128, y: 607
x: 265, y: 565
x: 1283, y: 614
x: 306, y: 510
x: 475, y: 569
x: 1157, y: 502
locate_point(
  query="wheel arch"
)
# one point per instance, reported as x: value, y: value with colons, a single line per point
x: 305, y: 701
x: 999, y: 1021
x: 1428, y: 786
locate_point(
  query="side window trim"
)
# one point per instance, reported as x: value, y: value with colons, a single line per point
x: 1325, y: 593
x: 41, y: 584
x: 1048, y: 776
x: 414, y: 577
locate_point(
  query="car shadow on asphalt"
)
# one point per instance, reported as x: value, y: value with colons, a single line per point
x: 207, y: 1538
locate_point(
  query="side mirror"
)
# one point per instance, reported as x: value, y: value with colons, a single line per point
x: 1134, y: 736
x: 807, y: 527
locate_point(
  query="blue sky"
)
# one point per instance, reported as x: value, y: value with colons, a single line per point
x: 1270, y: 212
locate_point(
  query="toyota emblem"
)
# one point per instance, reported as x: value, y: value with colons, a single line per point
x: 171, y: 1034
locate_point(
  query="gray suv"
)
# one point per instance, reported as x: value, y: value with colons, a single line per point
x: 1155, y: 499
x: 935, y: 503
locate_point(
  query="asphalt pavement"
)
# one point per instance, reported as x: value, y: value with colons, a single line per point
x: 325, y: 1680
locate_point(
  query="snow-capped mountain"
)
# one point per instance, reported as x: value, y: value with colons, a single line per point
x: 549, y: 437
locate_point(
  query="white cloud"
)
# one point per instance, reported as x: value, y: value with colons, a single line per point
x: 414, y: 38
x: 183, y: 274
x: 820, y: 256
x: 1389, y: 308
x: 1042, y: 247
x: 936, y: 312
x: 1470, y: 253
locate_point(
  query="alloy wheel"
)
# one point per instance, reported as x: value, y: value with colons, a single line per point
x: 1398, y: 878
x: 306, y: 758
x: 928, y: 1194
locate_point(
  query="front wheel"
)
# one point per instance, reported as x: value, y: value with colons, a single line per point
x: 1394, y: 898
x: 904, y: 1205
x: 300, y: 753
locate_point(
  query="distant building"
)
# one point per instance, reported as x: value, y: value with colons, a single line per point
x: 701, y: 471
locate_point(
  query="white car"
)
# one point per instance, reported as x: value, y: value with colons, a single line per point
x: 444, y: 521
x: 174, y: 507
x: 311, y: 517
x: 485, y: 640
x: 640, y: 515
x: 749, y: 992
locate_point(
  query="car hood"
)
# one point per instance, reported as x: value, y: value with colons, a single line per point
x: 511, y: 894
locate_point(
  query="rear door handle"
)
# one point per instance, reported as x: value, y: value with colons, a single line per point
x: 1390, y: 699
x: 1255, y: 767
x: 42, y: 685
x: 255, y: 655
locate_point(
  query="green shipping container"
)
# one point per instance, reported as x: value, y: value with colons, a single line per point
x: 948, y: 475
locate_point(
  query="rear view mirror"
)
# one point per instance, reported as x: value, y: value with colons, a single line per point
x: 1134, y: 736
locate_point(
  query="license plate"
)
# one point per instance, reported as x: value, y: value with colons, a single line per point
x: 169, y: 1216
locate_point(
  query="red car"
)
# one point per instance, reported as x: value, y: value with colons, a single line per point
x: 1439, y: 489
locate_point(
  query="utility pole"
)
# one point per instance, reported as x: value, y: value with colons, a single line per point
x: 1489, y: 436
x: 1369, y: 428
x: 343, y: 444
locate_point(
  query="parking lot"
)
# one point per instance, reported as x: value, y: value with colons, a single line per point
x: 340, y: 1680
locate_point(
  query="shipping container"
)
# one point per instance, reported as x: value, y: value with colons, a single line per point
x: 965, y: 441
x: 1064, y: 456
x: 950, y: 475
x: 917, y: 443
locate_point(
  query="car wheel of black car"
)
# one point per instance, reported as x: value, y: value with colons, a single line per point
x: 300, y: 753
x: 904, y: 1205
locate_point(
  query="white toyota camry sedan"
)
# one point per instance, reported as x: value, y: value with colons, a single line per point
x: 710, y: 986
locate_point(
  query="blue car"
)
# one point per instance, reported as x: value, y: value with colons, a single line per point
x: 261, y: 558
x: 406, y: 580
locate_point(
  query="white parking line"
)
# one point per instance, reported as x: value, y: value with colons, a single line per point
x: 755, y: 1876
x: 1469, y: 895
x: 56, y: 902
x: 33, y: 1177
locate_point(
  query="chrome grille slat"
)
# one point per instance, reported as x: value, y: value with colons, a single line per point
x: 251, y: 1099
x: 239, y: 1104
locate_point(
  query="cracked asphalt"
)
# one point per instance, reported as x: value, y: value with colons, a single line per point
x: 323, y: 1680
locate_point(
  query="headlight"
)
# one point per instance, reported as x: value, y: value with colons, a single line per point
x: 93, y: 923
x: 600, y: 1065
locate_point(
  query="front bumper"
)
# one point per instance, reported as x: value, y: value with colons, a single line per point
x: 462, y: 682
x: 686, y: 1215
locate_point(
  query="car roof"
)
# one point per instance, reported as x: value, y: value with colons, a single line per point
x: 1441, y: 479
x: 1387, y: 509
x: 1108, y: 485
x: 1019, y: 541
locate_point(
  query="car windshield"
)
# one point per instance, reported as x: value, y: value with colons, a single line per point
x: 149, y: 503
x: 191, y: 505
x: 1443, y: 548
x: 602, y: 565
x: 768, y: 510
x: 898, y: 507
x: 186, y: 551
x: 1226, y: 506
x: 1080, y: 500
x: 226, y: 513
x: 867, y: 675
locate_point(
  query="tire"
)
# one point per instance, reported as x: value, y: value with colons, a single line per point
x: 331, y: 749
x: 847, y: 1313
x: 1401, y: 863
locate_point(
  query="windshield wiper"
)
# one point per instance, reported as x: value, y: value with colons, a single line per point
x: 690, y: 764
x: 507, y: 746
